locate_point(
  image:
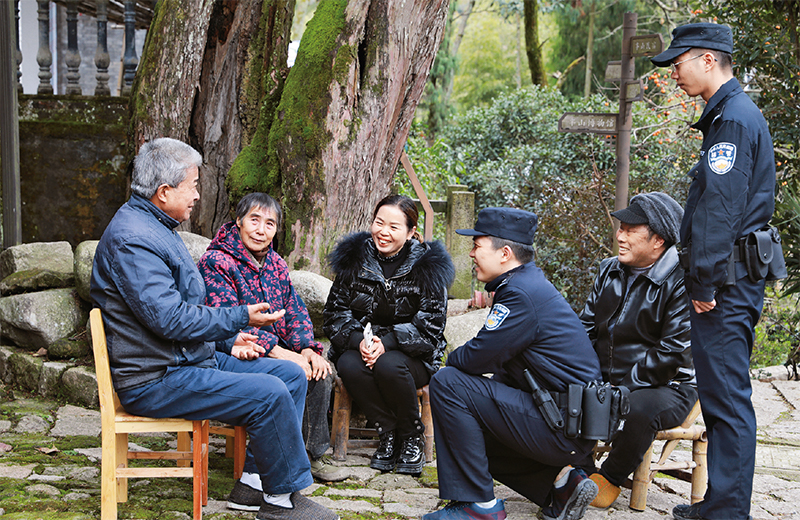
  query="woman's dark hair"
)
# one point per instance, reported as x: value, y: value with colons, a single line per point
x: 404, y: 204
x: 259, y: 200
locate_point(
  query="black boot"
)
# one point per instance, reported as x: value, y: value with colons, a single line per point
x: 385, y: 456
x: 412, y: 456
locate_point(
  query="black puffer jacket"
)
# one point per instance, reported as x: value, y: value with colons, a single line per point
x: 416, y: 294
x: 648, y: 343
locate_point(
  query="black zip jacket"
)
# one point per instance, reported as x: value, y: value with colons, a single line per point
x: 415, y: 296
x: 642, y: 338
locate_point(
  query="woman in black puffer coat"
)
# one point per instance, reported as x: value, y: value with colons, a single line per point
x: 389, y: 279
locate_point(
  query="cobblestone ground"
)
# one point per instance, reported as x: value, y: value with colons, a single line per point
x: 50, y: 469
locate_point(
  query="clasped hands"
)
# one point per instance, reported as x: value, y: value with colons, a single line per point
x: 371, y: 353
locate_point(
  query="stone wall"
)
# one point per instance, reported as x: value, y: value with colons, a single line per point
x: 73, y: 166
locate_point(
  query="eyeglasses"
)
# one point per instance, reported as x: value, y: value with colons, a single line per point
x: 675, y: 66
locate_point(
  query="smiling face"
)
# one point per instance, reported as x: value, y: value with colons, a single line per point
x: 635, y: 248
x: 389, y: 230
x: 257, y: 229
x: 489, y: 262
x: 178, y: 201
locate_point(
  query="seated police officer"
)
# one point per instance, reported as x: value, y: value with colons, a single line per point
x: 491, y: 428
x: 637, y: 317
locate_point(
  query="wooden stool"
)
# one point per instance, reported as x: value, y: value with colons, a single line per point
x: 235, y: 445
x: 117, y: 424
x: 644, y: 474
x: 341, y: 431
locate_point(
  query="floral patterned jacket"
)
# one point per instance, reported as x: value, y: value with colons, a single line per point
x: 233, y: 278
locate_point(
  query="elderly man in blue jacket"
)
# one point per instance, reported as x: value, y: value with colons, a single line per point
x: 165, y: 347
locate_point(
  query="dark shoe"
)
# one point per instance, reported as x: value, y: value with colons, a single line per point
x: 570, y: 501
x: 385, y: 456
x: 304, y: 509
x: 468, y: 511
x: 244, y: 498
x: 687, y: 512
x: 412, y: 456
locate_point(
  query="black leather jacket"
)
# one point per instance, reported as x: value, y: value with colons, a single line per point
x: 416, y: 295
x: 642, y: 338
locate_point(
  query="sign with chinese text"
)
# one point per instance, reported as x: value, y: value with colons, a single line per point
x: 614, y: 71
x: 598, y: 123
x: 646, y: 45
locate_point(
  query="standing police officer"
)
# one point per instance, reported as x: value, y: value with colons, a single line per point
x: 492, y: 428
x: 731, y: 195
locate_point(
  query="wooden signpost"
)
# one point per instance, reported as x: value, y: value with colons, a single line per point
x: 631, y: 90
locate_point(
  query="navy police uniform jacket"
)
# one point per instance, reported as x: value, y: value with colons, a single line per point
x: 732, y: 190
x: 530, y: 326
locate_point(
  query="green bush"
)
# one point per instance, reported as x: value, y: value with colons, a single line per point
x: 511, y: 154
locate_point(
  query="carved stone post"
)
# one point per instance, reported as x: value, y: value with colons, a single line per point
x: 101, y: 57
x: 130, y: 61
x: 18, y: 54
x: 43, y: 56
x: 73, y: 56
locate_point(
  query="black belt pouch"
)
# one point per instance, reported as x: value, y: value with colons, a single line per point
x: 574, y: 411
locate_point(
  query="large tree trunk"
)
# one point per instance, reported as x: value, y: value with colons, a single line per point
x: 209, y: 70
x: 325, y: 140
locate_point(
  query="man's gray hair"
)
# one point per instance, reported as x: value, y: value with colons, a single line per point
x: 162, y: 161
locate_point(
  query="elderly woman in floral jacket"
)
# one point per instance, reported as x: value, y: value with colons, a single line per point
x: 389, y: 279
x: 241, y: 267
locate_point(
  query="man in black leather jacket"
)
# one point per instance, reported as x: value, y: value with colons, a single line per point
x: 637, y: 317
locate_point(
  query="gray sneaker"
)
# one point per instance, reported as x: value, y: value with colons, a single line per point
x: 322, y: 469
x: 244, y: 498
x: 304, y: 509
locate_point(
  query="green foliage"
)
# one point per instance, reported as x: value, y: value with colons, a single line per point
x: 511, y: 154
x: 778, y: 331
x: 487, y: 59
x: 572, y: 20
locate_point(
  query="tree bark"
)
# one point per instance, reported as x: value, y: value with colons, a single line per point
x: 324, y: 138
x: 338, y: 146
x: 587, y: 81
x: 532, y: 47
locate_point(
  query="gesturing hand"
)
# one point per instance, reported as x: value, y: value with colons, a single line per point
x: 245, y: 347
x: 259, y: 317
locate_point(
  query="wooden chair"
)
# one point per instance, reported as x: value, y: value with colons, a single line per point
x: 341, y: 431
x: 117, y: 424
x: 235, y: 445
x: 698, y: 476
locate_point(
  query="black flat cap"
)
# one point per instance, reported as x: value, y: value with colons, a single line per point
x: 509, y: 223
x: 633, y: 215
x: 696, y: 35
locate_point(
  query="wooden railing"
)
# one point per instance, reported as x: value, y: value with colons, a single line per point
x: 132, y: 13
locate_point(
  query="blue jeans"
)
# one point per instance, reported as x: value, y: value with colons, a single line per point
x: 265, y: 395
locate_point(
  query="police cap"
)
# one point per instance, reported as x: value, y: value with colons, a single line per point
x: 509, y: 223
x: 696, y: 35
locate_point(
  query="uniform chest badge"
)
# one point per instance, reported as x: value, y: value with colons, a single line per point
x: 721, y: 158
x: 496, y: 316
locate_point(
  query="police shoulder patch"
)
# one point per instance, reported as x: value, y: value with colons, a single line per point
x: 499, y: 313
x: 721, y: 158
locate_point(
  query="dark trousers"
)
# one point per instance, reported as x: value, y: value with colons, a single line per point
x: 387, y: 393
x: 722, y: 341
x: 652, y: 409
x: 266, y: 395
x: 486, y: 430
x: 316, y: 433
